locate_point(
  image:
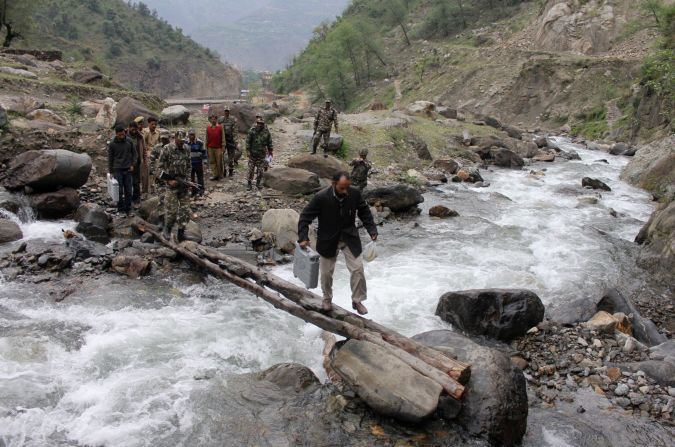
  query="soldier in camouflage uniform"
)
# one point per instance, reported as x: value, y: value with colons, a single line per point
x: 230, y: 127
x: 324, y: 121
x: 153, y: 164
x: 175, y: 163
x: 360, y: 168
x: 258, y: 146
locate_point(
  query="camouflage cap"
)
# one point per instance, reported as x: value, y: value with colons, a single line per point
x: 259, y: 120
x: 180, y: 133
x: 363, y: 152
x: 226, y: 109
x: 329, y: 100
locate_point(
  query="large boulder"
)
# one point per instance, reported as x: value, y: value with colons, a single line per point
x: 495, y: 399
x: 55, y: 204
x: 442, y: 211
x: 658, y: 237
x: 18, y: 72
x: 324, y: 167
x: 9, y: 231
x: 175, y: 115
x: 128, y: 109
x: 244, y: 113
x: 46, y: 115
x: 93, y: 222
x: 47, y: 170
x: 502, y: 314
x: 395, y: 197
x: 386, y: 383
x: 283, y: 223
x: 292, y: 180
x: 421, y: 108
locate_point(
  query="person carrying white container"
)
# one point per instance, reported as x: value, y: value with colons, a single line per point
x: 336, y: 208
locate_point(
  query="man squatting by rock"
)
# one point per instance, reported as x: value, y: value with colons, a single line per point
x: 336, y: 208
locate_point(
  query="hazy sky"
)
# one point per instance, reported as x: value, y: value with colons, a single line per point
x: 257, y: 34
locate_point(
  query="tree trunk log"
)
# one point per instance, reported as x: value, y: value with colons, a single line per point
x: 459, y: 371
x: 306, y: 312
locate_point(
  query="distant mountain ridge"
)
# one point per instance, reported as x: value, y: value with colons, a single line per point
x: 136, y: 48
x: 254, y: 34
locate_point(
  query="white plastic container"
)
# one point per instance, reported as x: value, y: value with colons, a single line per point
x: 113, y: 189
x: 306, y: 266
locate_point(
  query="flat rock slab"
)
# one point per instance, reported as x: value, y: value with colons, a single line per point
x: 385, y: 383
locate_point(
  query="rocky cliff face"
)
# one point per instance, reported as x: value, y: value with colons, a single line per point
x: 588, y: 27
x: 653, y: 169
x: 195, y: 81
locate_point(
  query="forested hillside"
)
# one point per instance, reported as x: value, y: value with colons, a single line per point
x: 549, y: 62
x: 130, y: 43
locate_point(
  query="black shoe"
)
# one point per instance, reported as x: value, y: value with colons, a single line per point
x: 231, y: 172
x: 213, y: 178
x: 180, y: 235
x: 249, y: 187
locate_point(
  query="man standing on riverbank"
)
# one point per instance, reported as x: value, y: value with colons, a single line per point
x: 230, y: 130
x: 122, y: 159
x: 174, y: 165
x: 215, y: 142
x: 259, y: 147
x: 135, y: 136
x: 197, y: 156
x: 336, y: 208
x: 323, y: 123
x: 360, y: 169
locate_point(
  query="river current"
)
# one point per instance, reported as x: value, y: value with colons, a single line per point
x: 114, y: 364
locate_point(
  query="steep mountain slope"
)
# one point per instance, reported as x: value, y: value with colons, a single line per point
x: 259, y: 34
x: 547, y: 64
x: 132, y: 46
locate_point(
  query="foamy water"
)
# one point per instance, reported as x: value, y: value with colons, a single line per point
x: 115, y: 363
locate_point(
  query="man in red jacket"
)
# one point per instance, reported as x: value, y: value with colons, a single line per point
x: 215, y: 146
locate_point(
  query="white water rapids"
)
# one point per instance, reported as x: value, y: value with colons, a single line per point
x: 115, y: 362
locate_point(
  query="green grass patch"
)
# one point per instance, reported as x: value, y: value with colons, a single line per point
x: 591, y: 124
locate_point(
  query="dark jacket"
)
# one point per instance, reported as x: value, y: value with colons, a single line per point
x: 197, y: 153
x: 337, y: 221
x: 121, y: 154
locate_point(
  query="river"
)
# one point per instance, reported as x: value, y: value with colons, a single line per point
x: 114, y: 364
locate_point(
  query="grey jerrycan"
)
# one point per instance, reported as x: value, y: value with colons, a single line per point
x: 306, y: 266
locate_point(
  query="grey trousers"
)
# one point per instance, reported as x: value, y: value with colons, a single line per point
x: 357, y: 279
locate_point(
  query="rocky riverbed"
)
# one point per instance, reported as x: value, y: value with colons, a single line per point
x: 112, y: 339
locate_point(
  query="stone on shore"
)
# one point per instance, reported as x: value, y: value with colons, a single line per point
x: 175, y: 115
x: 397, y: 198
x: 93, y: 222
x: 47, y: 170
x: 9, y: 231
x: 128, y: 109
x: 56, y: 204
x: 283, y: 223
x: 502, y: 314
x: 324, y: 167
x: 132, y: 266
x: 448, y: 166
x: 495, y: 399
x: 388, y: 385
x: 292, y: 180
x: 46, y: 115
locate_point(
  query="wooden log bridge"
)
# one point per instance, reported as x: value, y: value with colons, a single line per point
x: 450, y: 373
